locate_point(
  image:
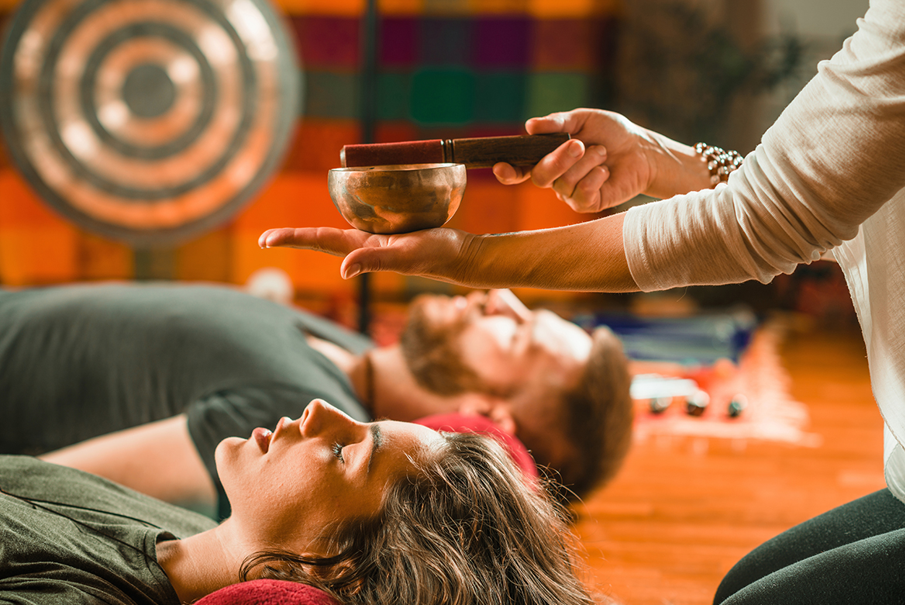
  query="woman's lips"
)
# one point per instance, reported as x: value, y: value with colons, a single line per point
x: 262, y: 438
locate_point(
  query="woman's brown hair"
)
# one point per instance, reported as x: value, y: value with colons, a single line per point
x: 463, y: 528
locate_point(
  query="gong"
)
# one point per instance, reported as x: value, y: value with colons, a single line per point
x: 148, y: 121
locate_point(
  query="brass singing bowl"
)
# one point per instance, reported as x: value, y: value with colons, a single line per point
x: 397, y: 199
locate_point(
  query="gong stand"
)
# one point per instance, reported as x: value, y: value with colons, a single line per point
x: 369, y: 47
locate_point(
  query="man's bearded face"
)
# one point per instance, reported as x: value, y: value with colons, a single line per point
x: 431, y: 350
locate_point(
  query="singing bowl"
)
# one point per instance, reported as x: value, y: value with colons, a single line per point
x: 397, y: 199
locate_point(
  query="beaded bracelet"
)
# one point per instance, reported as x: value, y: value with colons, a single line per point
x: 719, y: 162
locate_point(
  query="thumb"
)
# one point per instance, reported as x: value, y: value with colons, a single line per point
x: 571, y: 122
x: 555, y: 122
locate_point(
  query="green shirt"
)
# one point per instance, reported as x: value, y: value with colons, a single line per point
x: 85, y: 360
x: 71, y: 537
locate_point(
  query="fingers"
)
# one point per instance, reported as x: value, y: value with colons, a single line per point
x: 545, y: 172
x: 557, y: 163
x: 363, y: 252
x: 337, y: 242
x: 587, y: 195
x: 510, y: 175
x: 581, y: 186
x: 284, y: 237
x: 593, y: 158
x: 575, y: 181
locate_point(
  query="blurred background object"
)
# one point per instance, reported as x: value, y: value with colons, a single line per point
x: 272, y: 284
x: 147, y: 121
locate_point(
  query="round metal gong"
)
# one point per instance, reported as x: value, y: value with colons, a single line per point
x: 149, y: 121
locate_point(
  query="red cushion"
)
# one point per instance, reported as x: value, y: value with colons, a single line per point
x: 460, y: 423
x: 268, y: 592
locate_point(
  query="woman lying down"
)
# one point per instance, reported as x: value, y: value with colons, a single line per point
x: 380, y: 513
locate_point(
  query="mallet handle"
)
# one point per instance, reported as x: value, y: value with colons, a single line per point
x: 482, y: 152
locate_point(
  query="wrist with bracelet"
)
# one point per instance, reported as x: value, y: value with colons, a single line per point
x: 719, y: 162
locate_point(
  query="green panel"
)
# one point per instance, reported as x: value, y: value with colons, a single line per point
x: 443, y: 96
x: 393, y: 96
x: 551, y: 92
x: 331, y: 95
x: 499, y: 97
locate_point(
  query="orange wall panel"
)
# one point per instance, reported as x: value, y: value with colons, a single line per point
x: 487, y: 207
x: 400, y: 7
x: 557, y: 9
x: 36, y: 245
x: 206, y: 258
x: 348, y: 8
x: 317, y: 144
x: 37, y: 256
x: 103, y: 259
x: 19, y: 205
x: 541, y: 209
x: 297, y: 199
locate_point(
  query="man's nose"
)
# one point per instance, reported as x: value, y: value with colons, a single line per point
x: 504, y: 302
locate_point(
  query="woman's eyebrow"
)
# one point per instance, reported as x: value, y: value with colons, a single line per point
x: 376, y: 442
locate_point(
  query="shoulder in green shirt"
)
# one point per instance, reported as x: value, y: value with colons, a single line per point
x: 71, y: 537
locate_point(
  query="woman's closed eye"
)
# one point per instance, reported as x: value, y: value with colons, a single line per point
x: 338, y: 452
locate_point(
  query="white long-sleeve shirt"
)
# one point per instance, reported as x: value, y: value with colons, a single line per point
x: 828, y: 175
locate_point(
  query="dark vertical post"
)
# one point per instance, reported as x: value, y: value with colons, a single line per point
x: 154, y: 263
x: 368, y: 126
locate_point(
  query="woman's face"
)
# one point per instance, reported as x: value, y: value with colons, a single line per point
x: 290, y: 485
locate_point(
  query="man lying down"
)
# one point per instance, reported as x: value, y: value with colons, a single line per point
x: 139, y: 383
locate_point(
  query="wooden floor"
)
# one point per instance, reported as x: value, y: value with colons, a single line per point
x: 685, y: 509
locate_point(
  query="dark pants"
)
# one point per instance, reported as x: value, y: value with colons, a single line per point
x: 852, y: 555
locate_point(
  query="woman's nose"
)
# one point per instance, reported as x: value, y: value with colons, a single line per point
x: 320, y: 417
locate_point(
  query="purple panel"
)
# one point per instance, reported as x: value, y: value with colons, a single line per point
x: 398, y: 42
x: 501, y: 42
x: 574, y: 44
x: 326, y: 42
x: 445, y: 41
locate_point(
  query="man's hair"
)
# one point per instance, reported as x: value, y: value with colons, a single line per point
x: 597, y: 418
x: 464, y: 528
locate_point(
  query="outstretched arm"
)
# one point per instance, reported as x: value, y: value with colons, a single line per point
x: 608, y: 161
x: 585, y: 257
x: 157, y: 459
